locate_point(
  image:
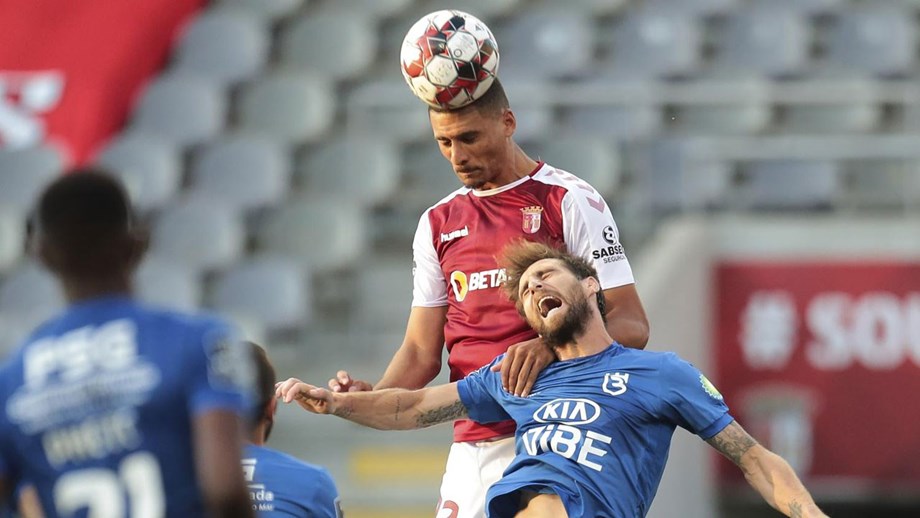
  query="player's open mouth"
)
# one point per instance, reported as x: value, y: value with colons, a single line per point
x: 548, y: 304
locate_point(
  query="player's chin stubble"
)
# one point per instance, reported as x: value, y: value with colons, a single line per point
x: 573, y: 323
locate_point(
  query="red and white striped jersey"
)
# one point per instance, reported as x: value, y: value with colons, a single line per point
x: 456, y: 249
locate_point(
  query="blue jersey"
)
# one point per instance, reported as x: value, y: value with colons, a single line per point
x: 98, y: 407
x: 282, y: 486
x: 596, y: 430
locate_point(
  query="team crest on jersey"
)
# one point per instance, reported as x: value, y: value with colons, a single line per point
x: 532, y: 218
x: 615, y: 383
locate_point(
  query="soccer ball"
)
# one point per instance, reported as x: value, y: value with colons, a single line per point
x: 449, y: 58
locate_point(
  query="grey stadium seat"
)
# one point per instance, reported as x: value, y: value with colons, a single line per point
x: 531, y: 101
x: 185, y: 110
x: 244, y: 171
x: 266, y: 11
x: 377, y: 8
x: 766, y: 39
x: 24, y: 173
x: 671, y: 182
x: 808, y: 7
x: 149, y: 167
x: 429, y: 176
x: 546, y: 43
x: 656, y: 42
x: 790, y: 184
x: 305, y: 45
x: 384, y: 295
x: 366, y: 169
x: 387, y: 107
x: 269, y: 289
x: 168, y: 284
x: 632, y: 113
x: 724, y: 105
x: 322, y: 233
x: 12, y: 237
x: 594, y: 160
x: 30, y: 295
x: 885, y: 183
x: 291, y: 107
x: 485, y: 10
x: 201, y: 234
x: 848, y: 105
x: 695, y: 7
x: 223, y: 46
x: 880, y: 40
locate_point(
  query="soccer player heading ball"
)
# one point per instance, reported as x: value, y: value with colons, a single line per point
x: 449, y: 59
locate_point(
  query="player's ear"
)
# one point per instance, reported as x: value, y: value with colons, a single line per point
x: 591, y: 284
x: 509, y: 121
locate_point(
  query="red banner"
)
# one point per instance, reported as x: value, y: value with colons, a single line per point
x: 820, y: 361
x: 69, y: 70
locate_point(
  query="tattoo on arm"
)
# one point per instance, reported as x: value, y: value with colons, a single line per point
x: 795, y: 509
x: 733, y: 442
x: 449, y: 412
x: 396, y: 414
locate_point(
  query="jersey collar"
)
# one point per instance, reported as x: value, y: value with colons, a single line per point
x: 512, y: 185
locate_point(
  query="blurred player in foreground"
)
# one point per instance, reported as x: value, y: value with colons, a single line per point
x: 112, y: 408
x: 593, y: 436
x: 457, y: 299
x: 281, y: 485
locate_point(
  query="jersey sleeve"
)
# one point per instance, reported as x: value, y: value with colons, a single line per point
x: 429, y: 289
x: 481, y: 393
x: 690, y: 399
x: 222, y: 373
x: 590, y: 232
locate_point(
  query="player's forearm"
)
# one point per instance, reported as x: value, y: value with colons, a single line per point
x: 410, y: 369
x: 627, y: 328
x: 775, y: 480
x: 385, y: 409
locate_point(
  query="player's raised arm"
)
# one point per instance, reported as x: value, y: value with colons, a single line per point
x: 766, y: 471
x: 387, y: 409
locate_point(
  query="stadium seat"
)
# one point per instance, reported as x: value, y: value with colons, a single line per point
x: 911, y: 117
x: 384, y: 295
x: 24, y: 173
x: 790, y: 184
x: 429, y: 176
x: 149, y: 167
x: 244, y: 171
x: 12, y: 332
x: 546, y: 43
x: 724, y: 105
x: 485, y: 10
x: 766, y: 39
x: 845, y: 104
x: 223, y: 46
x: 694, y: 7
x: 290, y: 107
x: 887, y: 183
x: 200, y: 233
x: 594, y: 7
x: 12, y: 237
x: 30, y: 295
x: 532, y: 104
x: 322, y: 232
x: 305, y: 45
x: 167, y: 283
x: 656, y: 43
x: 627, y: 110
x: 592, y: 159
x: 271, y: 290
x: 672, y: 182
x: 268, y: 11
x: 377, y: 8
x: 364, y: 169
x: 184, y: 110
x: 880, y: 40
x: 807, y: 7
x: 387, y: 107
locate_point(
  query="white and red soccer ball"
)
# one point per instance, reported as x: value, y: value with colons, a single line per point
x: 449, y: 58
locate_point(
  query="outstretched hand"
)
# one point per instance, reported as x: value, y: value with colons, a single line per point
x: 310, y: 398
x: 343, y: 382
x: 523, y: 362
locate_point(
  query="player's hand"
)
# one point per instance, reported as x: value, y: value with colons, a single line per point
x: 310, y: 398
x: 343, y: 382
x: 522, y: 364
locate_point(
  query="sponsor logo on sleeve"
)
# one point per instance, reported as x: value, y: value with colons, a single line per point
x: 710, y: 388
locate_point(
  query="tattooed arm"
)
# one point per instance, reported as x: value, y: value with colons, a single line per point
x: 386, y: 409
x: 766, y: 471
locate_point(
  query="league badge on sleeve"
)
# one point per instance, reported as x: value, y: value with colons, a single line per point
x: 710, y: 388
x: 532, y: 219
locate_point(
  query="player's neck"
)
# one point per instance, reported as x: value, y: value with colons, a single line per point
x: 257, y: 436
x: 593, y: 340
x: 86, y: 288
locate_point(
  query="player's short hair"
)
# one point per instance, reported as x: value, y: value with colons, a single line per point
x: 84, y: 214
x: 492, y: 103
x: 265, y: 382
x: 519, y: 255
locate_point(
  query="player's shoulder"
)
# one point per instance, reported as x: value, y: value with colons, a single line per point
x: 551, y: 175
x: 454, y: 197
x: 651, y: 359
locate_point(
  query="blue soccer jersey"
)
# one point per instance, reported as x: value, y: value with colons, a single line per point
x: 98, y: 407
x: 596, y: 430
x: 282, y: 486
